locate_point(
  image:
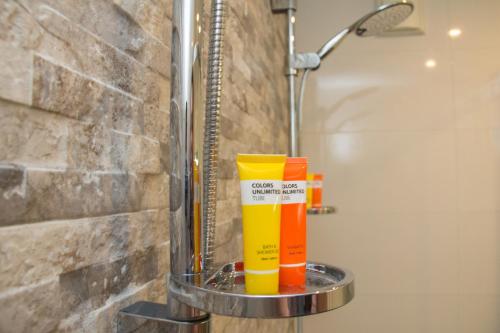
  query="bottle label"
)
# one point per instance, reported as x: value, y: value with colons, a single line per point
x: 261, y: 192
x: 294, y: 192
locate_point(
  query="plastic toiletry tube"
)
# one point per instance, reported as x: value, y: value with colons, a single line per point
x: 309, y: 192
x: 261, y: 179
x: 317, y: 189
x: 293, y: 226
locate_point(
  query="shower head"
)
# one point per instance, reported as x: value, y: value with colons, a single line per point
x: 382, y: 19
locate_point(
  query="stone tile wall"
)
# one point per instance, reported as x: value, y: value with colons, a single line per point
x: 84, y: 118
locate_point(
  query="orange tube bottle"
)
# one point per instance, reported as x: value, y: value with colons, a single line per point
x: 293, y: 226
x: 317, y: 197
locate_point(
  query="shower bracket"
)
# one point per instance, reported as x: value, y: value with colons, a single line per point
x: 308, y: 60
x: 283, y: 5
x: 155, y: 317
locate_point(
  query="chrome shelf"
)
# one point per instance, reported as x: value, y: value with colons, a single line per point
x: 223, y: 292
x: 321, y: 210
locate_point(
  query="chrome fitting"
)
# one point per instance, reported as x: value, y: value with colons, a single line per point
x: 283, y: 5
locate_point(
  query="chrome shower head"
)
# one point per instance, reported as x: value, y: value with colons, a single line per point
x: 382, y: 19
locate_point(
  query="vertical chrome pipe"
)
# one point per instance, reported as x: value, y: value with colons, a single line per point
x: 294, y: 135
x: 211, y: 143
x: 186, y: 148
x: 291, y: 74
x: 186, y: 123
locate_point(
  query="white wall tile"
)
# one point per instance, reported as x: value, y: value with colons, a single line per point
x: 391, y: 91
x: 477, y: 88
x: 478, y: 170
x: 390, y: 253
x: 406, y: 313
x: 478, y: 21
x: 479, y: 253
x: 312, y: 146
x: 411, y: 157
x: 389, y: 171
x: 479, y: 313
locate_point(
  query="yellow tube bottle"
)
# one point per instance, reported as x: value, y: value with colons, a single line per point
x: 261, y: 178
x: 309, y: 190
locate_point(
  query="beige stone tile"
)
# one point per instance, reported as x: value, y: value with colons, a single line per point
x: 66, y: 92
x: 42, y: 307
x: 15, y: 77
x: 144, y: 155
x: 228, y: 241
x: 53, y: 248
x: 126, y: 35
x: 156, y: 195
x: 32, y: 138
x: 75, y: 48
x: 152, y: 16
x: 91, y: 147
x: 14, y: 194
x: 156, y: 123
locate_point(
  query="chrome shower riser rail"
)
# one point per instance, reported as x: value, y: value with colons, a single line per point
x: 291, y: 74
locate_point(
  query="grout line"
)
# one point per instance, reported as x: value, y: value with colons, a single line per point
x: 458, y: 228
x: 12, y: 291
x: 32, y: 73
x: 79, y: 220
x: 411, y: 131
x: 87, y: 77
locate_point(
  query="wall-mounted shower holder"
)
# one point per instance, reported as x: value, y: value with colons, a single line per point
x: 223, y: 292
x: 309, y: 60
x: 283, y: 5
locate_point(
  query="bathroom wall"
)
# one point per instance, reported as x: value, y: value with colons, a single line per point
x: 411, y: 153
x: 84, y: 117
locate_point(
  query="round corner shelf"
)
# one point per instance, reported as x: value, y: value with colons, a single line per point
x: 223, y: 292
x: 321, y: 210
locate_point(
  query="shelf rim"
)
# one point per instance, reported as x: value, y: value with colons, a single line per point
x: 194, y: 291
